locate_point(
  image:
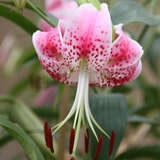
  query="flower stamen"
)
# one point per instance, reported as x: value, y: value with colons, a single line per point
x: 97, y: 125
x: 99, y: 146
x: 72, y: 158
x: 87, y: 137
x: 111, y: 145
x: 46, y: 133
x: 50, y: 141
x: 48, y: 137
x: 71, y: 141
x: 87, y: 111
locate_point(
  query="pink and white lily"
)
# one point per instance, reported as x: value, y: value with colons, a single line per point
x: 80, y: 52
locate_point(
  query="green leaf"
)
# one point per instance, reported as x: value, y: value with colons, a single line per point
x: 18, y: 19
x: 141, y: 152
x: 130, y: 11
x: 19, y: 134
x: 11, y: 3
x: 110, y: 111
x: 23, y: 115
x: 142, y: 119
x: 49, y: 18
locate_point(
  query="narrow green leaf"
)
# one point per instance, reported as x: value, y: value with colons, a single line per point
x: 23, y: 115
x: 141, y: 152
x: 49, y: 18
x: 19, y: 134
x: 110, y: 111
x: 52, y: 20
x: 18, y: 19
x: 142, y: 119
x: 11, y: 3
x: 130, y: 11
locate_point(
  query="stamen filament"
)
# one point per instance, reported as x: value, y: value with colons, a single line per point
x: 65, y: 120
x: 78, y: 128
x: 97, y: 125
x: 87, y: 111
x: 81, y: 84
x: 71, y: 112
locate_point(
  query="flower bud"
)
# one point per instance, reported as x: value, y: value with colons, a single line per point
x: 20, y: 4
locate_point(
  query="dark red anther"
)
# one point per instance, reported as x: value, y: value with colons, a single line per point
x: 46, y: 133
x: 50, y: 140
x: 71, y: 141
x: 99, y: 146
x: 87, y: 136
x: 72, y: 158
x: 111, y: 143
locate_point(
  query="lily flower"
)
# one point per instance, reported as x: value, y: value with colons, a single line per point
x: 83, y: 54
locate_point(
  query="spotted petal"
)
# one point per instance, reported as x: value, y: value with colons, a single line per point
x: 124, y: 63
x: 88, y: 36
x: 49, y: 49
x: 125, y: 51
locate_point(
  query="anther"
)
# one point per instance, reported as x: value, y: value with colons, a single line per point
x: 72, y: 158
x: 71, y: 142
x: 50, y: 140
x: 87, y: 136
x: 46, y: 133
x: 111, y: 143
x: 99, y: 146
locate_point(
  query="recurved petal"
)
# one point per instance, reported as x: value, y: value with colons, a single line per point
x: 118, y: 76
x: 125, y: 51
x: 88, y: 35
x: 49, y: 49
